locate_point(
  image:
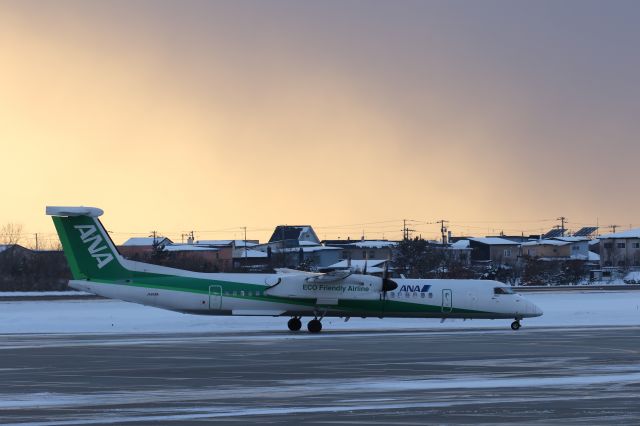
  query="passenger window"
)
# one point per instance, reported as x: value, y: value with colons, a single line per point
x: 430, y: 295
x: 422, y: 295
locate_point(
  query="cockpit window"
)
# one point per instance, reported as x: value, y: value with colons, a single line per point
x: 502, y: 290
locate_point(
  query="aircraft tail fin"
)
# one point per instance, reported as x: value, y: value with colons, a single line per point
x: 87, y: 246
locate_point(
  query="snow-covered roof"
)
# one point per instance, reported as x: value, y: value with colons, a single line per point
x: 187, y: 247
x: 631, y: 233
x: 248, y: 253
x: 237, y: 243
x: 305, y: 249
x: 545, y: 243
x: 375, y: 244
x: 294, y: 232
x: 594, y: 242
x: 494, y: 241
x: 146, y: 241
x: 460, y: 245
x: 358, y: 263
x: 594, y: 257
x: 571, y: 239
x: 632, y: 276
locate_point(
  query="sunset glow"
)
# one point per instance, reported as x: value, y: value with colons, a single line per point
x: 349, y: 116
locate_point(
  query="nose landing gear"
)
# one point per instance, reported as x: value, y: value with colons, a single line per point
x: 515, y: 325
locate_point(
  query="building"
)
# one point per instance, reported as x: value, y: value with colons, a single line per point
x: 364, y: 249
x: 287, y: 236
x: 460, y: 252
x: 196, y: 256
x: 494, y: 250
x: 141, y: 246
x: 557, y: 248
x: 620, y: 249
x: 373, y: 266
x: 227, y: 251
x: 246, y: 258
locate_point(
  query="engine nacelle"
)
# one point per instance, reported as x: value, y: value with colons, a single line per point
x: 354, y: 286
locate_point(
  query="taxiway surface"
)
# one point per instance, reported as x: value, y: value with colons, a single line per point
x: 538, y: 375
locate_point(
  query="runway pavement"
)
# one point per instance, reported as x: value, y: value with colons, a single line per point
x: 541, y: 376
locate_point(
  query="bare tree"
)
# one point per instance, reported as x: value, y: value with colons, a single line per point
x: 11, y: 233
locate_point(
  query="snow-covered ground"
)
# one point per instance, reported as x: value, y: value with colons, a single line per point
x: 593, y: 308
x: 42, y: 293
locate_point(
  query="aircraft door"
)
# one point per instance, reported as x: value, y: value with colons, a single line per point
x: 447, y: 301
x: 215, y: 297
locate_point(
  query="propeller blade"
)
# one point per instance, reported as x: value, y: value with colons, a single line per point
x: 388, y: 285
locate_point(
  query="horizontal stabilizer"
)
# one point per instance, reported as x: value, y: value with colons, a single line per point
x: 74, y: 211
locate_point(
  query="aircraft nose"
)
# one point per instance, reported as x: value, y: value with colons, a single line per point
x: 535, y: 309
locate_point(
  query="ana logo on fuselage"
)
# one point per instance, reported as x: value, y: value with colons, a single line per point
x: 89, y: 235
x: 412, y: 288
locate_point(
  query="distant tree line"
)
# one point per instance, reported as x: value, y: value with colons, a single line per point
x: 417, y: 258
x: 26, y: 270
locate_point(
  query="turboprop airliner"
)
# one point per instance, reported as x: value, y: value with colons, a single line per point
x: 97, y: 267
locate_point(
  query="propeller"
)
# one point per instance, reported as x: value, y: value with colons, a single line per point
x: 387, y: 283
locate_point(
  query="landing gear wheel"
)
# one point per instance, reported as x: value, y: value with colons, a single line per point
x: 294, y: 324
x: 515, y: 325
x: 314, y: 326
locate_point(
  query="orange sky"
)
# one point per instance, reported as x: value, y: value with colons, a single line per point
x: 217, y: 116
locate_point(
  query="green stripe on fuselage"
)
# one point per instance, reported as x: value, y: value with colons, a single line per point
x: 201, y: 286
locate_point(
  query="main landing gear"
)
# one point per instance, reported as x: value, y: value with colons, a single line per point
x: 515, y: 325
x: 294, y: 324
x: 314, y: 326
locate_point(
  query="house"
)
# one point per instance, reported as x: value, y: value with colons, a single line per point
x: 287, y: 236
x: 193, y: 254
x: 247, y: 258
x: 10, y: 249
x: 226, y: 250
x: 557, y: 248
x: 140, y: 246
x: 364, y: 249
x: 620, y: 249
x: 495, y: 250
x: 373, y: 266
x: 460, y: 251
x: 318, y: 256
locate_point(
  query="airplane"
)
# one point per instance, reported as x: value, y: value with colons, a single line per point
x: 97, y: 267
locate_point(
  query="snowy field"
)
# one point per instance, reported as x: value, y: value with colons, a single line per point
x: 111, y: 316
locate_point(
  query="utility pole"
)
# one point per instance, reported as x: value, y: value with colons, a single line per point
x: 405, y: 230
x: 562, y: 220
x: 245, y: 244
x: 36, y: 241
x: 443, y: 230
x: 613, y: 228
x: 154, y: 234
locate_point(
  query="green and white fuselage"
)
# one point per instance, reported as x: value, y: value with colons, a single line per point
x: 98, y: 268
